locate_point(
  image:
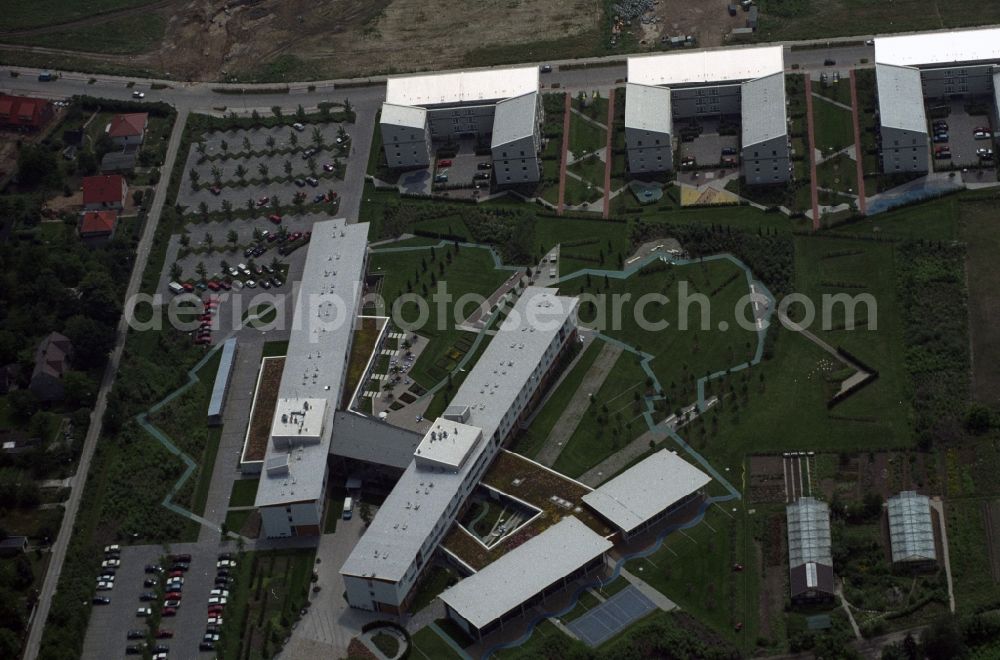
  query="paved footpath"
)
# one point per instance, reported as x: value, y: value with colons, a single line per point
x: 58, y: 551
x: 578, y: 403
x: 610, y: 466
x: 563, y: 157
x: 609, y: 157
x: 858, y: 154
x: 810, y: 129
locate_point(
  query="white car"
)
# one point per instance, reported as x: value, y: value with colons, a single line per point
x: 105, y: 586
x: 299, y: 127
x: 143, y: 611
x: 111, y: 563
x: 217, y: 600
x: 213, y: 620
x: 234, y: 272
x: 220, y: 592
x: 174, y: 584
x: 225, y: 563
x: 138, y: 95
x: 112, y: 549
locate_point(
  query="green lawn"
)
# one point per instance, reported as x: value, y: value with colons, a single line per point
x: 122, y: 36
x: 20, y: 15
x: 585, y: 137
x: 594, y: 440
x: 275, y: 349
x: 839, y: 173
x: 694, y: 569
x: 436, y: 580
x: 970, y: 565
x: 236, y: 519
x: 590, y: 169
x: 530, y: 442
x: 833, y: 125
x: 579, y: 192
x: 428, y: 645
x: 471, y: 271
x: 544, y: 634
x: 243, y: 493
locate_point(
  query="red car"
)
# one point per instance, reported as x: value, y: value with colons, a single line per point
x: 272, y: 238
x: 226, y: 285
x: 216, y: 190
x: 215, y: 610
x: 173, y: 595
x: 188, y: 287
x: 177, y: 574
x: 164, y: 633
x: 444, y: 163
x: 201, y: 341
x: 213, y: 285
x: 275, y: 218
x: 263, y: 201
x: 169, y: 611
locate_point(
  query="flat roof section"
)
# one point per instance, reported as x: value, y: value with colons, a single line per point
x: 706, y: 66
x: 939, y: 47
x: 525, y: 572
x: 318, y: 343
x: 647, y: 108
x: 222, y: 376
x: 900, y: 98
x: 298, y: 420
x: 646, y: 489
x: 363, y: 438
x: 461, y: 87
x: 515, y: 119
x: 762, y: 117
x: 403, y: 115
x: 447, y: 444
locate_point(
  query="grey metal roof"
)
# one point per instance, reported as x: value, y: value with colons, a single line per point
x: 427, y: 89
x: 418, y: 504
x: 222, y: 377
x: 515, y: 118
x: 365, y: 438
x: 403, y: 115
x: 525, y: 571
x: 317, y: 356
x: 900, y: 98
x: 647, y: 108
x: 911, y: 530
x: 646, y: 489
x: 808, y: 532
x: 763, y: 109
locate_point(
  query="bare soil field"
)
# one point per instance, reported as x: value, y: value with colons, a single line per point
x: 981, y: 234
x: 708, y: 22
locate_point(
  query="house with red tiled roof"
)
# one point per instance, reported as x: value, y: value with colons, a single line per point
x: 128, y: 130
x: 24, y: 113
x: 98, y: 226
x: 52, y: 361
x: 104, y: 192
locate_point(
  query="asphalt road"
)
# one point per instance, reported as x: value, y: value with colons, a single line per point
x: 58, y: 551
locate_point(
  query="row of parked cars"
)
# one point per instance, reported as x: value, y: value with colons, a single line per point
x: 225, y: 575
x: 106, y: 579
x: 941, y: 136
x: 173, y: 585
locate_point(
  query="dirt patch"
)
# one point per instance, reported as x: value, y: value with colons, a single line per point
x: 982, y: 236
x: 767, y: 479
x: 991, y: 520
x: 265, y: 402
x: 709, y: 22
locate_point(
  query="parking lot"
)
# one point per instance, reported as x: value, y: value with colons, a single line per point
x: 109, y: 624
x: 459, y: 170
x: 707, y: 148
x: 238, y: 192
x: 961, y: 142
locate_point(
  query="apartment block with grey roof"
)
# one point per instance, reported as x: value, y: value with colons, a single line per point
x: 747, y: 83
x: 499, y: 107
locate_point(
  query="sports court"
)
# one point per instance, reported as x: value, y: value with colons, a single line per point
x: 612, y: 616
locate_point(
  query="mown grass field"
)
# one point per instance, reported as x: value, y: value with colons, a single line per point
x: 128, y: 35
x: 23, y: 15
x: 833, y: 126
x: 980, y: 231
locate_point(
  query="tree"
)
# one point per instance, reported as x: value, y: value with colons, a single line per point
x: 311, y: 163
x: 216, y: 173
x: 201, y: 270
x: 37, y: 166
x: 275, y: 264
x: 175, y: 272
x: 91, y: 339
x: 300, y: 113
x: 185, y: 240
x: 233, y: 238
x: 276, y: 111
x: 23, y: 403
x: 347, y: 106
x: 258, y: 235
x: 293, y: 138
x: 287, y: 166
x: 262, y: 168
x: 194, y: 176
x: 224, y: 146
x: 79, y: 389
x: 86, y: 162
x: 227, y: 208
x: 241, y: 172
x: 209, y: 240
x: 200, y: 149
x: 224, y: 265
x: 942, y: 640
x: 269, y: 141
x: 276, y: 203
x: 317, y: 137
x: 246, y: 143
x: 203, y: 209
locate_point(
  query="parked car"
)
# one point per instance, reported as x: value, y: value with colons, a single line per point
x: 984, y: 153
x: 263, y: 201
x: 112, y: 549
x: 173, y: 595
x: 829, y: 62
x: 299, y: 127
x: 942, y: 154
x: 312, y: 181
x: 113, y: 563
x: 328, y: 167
x: 215, y: 190
x: 214, y: 621
x: 138, y: 95
x: 940, y: 137
x: 728, y: 151
x: 275, y: 218
x: 300, y: 182
x: 218, y: 600
x: 440, y: 178
x: 135, y: 649
x: 444, y: 163
x: 105, y: 586
x: 250, y: 284
x: 981, y: 134
x: 206, y: 646
x: 143, y: 612
x: 728, y: 161
x: 180, y: 566
x: 277, y: 283
x: 485, y: 165
x: 169, y: 611
x: 100, y: 600
x: 219, y: 592
x: 147, y: 596
x: 481, y: 176
x: 172, y: 603
x: 164, y: 633
x: 545, y: 68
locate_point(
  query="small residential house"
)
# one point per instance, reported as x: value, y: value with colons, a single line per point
x: 118, y: 162
x: 24, y: 113
x: 104, y: 192
x: 13, y: 546
x: 52, y: 361
x: 98, y: 226
x: 128, y: 130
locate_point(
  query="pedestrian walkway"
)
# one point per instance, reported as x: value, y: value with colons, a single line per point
x: 574, y: 411
x: 563, y: 156
x: 810, y: 129
x: 609, y: 156
x: 858, y: 153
